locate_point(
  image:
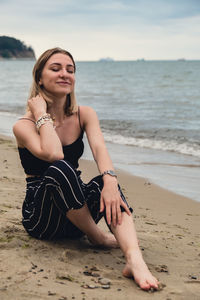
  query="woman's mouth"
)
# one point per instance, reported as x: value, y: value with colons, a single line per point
x: 63, y: 83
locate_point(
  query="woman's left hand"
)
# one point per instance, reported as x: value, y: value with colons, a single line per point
x: 111, y: 201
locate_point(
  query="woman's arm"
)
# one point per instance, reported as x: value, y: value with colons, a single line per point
x: 110, y: 196
x: 46, y: 144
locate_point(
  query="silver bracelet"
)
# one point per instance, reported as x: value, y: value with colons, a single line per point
x: 42, y: 120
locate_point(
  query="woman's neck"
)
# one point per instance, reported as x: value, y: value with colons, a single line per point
x: 57, y: 110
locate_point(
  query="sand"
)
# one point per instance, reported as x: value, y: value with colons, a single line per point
x: 168, y: 227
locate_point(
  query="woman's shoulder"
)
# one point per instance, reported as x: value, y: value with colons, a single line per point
x: 22, y: 125
x: 27, y: 118
x: 86, y: 110
x: 88, y: 116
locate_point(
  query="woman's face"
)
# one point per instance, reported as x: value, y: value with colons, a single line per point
x: 58, y: 75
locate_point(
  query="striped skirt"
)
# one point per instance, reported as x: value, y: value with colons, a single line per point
x: 49, y: 197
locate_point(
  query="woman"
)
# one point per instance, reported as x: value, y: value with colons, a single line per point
x: 50, y: 142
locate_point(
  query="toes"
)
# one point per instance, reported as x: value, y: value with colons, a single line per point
x: 148, y: 284
x: 153, y: 284
x: 145, y: 286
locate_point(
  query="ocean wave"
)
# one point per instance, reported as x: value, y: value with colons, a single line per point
x: 10, y: 114
x: 165, y: 145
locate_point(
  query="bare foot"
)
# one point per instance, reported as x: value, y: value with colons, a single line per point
x: 107, y: 241
x: 137, y: 268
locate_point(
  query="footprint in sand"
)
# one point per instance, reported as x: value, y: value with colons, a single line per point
x: 69, y: 255
x: 162, y: 268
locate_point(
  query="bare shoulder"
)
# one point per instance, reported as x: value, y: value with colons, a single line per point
x: 23, y: 127
x: 86, y: 109
x: 87, y: 112
x: 23, y: 123
x: 89, y: 119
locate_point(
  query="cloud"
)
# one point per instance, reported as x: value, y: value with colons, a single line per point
x: 123, y: 29
x: 152, y: 10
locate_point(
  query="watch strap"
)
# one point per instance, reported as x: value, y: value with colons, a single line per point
x: 109, y: 172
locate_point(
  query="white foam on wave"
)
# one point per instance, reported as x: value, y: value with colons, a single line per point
x: 183, y: 148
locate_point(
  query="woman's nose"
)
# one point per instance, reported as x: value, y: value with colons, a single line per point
x: 63, y: 72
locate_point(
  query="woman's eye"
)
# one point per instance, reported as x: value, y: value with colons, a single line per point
x: 71, y: 71
x: 54, y: 70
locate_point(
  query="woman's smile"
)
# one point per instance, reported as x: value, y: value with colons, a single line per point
x: 63, y: 82
x: 58, y: 75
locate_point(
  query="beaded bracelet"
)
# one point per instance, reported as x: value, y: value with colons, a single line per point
x: 42, y: 120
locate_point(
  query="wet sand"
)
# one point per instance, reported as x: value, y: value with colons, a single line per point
x: 168, y: 231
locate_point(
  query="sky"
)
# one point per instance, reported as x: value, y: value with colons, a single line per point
x: 120, y: 29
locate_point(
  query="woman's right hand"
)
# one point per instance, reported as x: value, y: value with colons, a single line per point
x: 37, y: 106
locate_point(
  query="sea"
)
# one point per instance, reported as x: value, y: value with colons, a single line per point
x: 149, y: 112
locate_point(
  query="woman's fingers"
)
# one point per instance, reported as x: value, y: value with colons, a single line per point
x: 102, y: 206
x: 37, y: 106
x: 123, y: 204
x: 113, y: 210
x: 108, y: 214
x: 114, y: 214
x: 119, y: 215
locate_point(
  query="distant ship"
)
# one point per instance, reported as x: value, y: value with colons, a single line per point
x: 106, y: 59
x: 140, y: 59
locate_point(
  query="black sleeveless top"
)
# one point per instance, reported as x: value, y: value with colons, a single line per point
x: 35, y: 166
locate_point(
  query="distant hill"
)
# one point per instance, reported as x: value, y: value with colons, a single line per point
x: 13, y: 48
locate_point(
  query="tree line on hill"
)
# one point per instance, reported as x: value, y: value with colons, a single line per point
x: 13, y: 48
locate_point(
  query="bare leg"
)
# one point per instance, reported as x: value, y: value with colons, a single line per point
x: 82, y: 219
x: 127, y: 239
x: 135, y: 265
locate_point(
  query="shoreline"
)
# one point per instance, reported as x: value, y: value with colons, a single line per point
x: 173, y: 171
x: 88, y: 159
x: 165, y: 169
x: 167, y: 226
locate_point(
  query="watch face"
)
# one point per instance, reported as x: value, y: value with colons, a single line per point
x: 111, y: 173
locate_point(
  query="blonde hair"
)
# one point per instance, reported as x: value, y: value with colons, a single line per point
x: 71, y: 104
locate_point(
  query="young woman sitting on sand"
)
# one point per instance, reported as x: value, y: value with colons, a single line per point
x: 50, y: 142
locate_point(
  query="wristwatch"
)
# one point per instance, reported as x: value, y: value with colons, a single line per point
x: 109, y: 172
